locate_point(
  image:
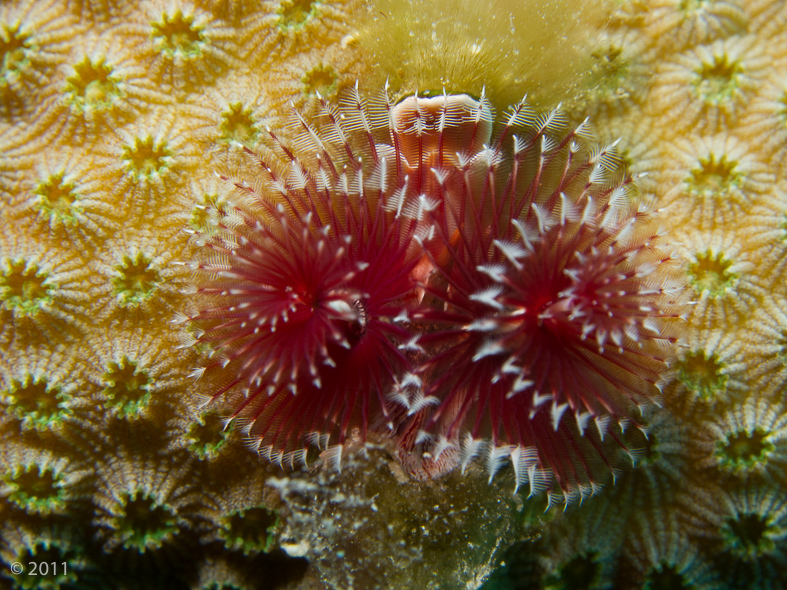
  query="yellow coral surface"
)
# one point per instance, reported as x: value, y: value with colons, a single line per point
x: 114, y: 117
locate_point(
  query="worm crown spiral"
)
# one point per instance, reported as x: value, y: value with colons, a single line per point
x: 546, y: 310
x: 406, y: 268
x: 308, y: 274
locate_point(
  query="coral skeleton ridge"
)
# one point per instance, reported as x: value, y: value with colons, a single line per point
x: 410, y: 305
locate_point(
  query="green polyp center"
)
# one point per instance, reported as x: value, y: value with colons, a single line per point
x: 748, y: 535
x: 58, y: 199
x: 143, y: 523
x: 718, y: 80
x: 14, y: 49
x: 237, y: 124
x: 580, y: 573
x: 664, y: 577
x: 711, y: 272
x: 147, y: 158
x: 200, y: 213
x: 320, y: 78
x: 127, y: 388
x: 136, y: 280
x: 37, y: 403
x: 206, y: 436
x: 55, y: 574
x: 24, y: 287
x: 252, y: 530
x: 714, y: 176
x: 93, y: 85
x: 179, y: 34
x: 781, y: 342
x: 743, y: 450
x: 611, y: 68
x: 702, y: 374
x: 294, y: 14
x: 781, y: 110
x: 36, y: 489
x: 693, y: 6
x: 650, y: 451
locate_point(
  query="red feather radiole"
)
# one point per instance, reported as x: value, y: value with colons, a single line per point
x: 402, y: 269
x: 309, y: 286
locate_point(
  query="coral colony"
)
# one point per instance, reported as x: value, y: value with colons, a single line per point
x: 500, y: 294
x: 465, y: 345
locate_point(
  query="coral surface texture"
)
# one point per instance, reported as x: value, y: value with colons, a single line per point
x: 359, y: 294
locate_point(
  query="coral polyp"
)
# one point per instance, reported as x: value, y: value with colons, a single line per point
x: 548, y: 304
x: 114, y: 116
x: 308, y: 277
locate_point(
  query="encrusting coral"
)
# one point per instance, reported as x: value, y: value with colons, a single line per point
x: 115, y: 119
